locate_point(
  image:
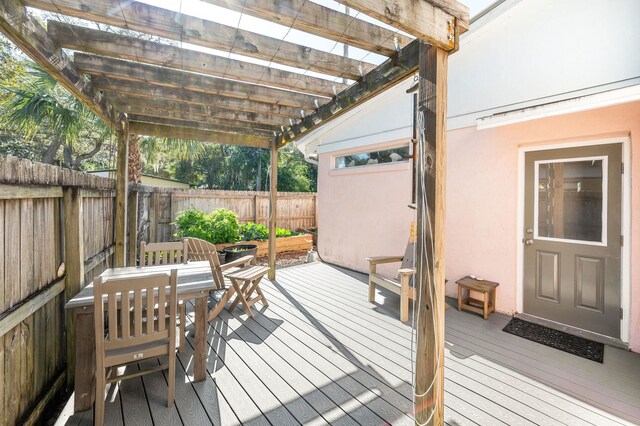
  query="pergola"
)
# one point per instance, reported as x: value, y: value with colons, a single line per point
x: 152, y: 88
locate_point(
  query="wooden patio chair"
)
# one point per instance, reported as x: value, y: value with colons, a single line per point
x: 163, y: 253
x: 141, y: 315
x: 402, y: 285
x: 204, y: 250
x: 170, y: 253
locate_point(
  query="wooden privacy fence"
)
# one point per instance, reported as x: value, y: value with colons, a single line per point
x: 56, y: 234
x: 158, y: 208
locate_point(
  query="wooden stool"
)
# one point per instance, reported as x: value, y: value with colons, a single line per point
x: 488, y: 290
x: 244, y: 282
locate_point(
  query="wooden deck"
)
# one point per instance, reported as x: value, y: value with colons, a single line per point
x: 321, y: 354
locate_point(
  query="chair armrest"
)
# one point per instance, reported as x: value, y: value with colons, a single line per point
x: 406, y: 271
x: 384, y: 259
x: 242, y: 261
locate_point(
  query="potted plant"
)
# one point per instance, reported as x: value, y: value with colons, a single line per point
x: 237, y: 251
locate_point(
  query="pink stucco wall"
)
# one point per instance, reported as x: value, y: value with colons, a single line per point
x: 483, y: 178
x: 364, y: 214
x: 363, y: 211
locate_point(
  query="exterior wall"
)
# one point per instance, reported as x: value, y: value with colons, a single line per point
x: 532, y: 52
x: 482, y: 179
x: 363, y: 211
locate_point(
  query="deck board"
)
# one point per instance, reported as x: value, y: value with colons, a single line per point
x: 322, y: 354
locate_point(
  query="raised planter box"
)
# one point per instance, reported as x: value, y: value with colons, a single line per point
x: 283, y: 245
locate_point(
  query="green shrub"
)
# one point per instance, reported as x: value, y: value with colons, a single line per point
x: 253, y: 232
x: 194, y: 223
x: 219, y: 227
x: 225, y: 227
x: 281, y: 232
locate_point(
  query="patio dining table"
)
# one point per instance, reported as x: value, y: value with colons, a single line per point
x: 194, y: 282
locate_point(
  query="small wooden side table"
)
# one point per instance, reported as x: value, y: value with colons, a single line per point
x: 488, y: 290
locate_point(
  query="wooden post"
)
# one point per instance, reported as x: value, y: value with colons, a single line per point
x: 74, y: 268
x: 133, y: 226
x: 430, y: 266
x: 273, y: 200
x: 122, y: 177
x: 256, y: 216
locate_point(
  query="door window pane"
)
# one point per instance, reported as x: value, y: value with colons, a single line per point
x: 570, y: 200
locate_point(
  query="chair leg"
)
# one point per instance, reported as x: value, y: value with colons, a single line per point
x: 372, y: 285
x: 98, y: 412
x: 172, y: 379
x: 183, y: 321
x: 221, y: 303
x: 404, y: 299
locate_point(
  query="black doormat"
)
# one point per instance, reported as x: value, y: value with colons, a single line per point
x: 556, y: 339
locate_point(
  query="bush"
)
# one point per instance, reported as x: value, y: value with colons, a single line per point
x: 194, y: 223
x: 225, y: 227
x: 219, y: 227
x: 253, y: 232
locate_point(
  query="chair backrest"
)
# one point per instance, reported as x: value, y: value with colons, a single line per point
x: 129, y: 305
x: 408, y: 260
x: 204, y: 250
x: 163, y: 253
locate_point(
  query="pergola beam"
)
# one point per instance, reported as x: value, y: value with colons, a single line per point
x: 268, y: 113
x: 437, y: 22
x: 231, y: 129
x: 165, y: 23
x: 148, y: 129
x: 321, y: 21
x: 185, y: 116
x: 144, y: 106
x: 27, y: 33
x: 384, y: 76
x: 151, y: 52
x: 134, y: 71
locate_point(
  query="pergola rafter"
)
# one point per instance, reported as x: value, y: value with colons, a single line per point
x: 155, y: 88
x: 264, y: 111
x: 151, y: 52
x: 321, y: 21
x: 160, y: 22
x: 132, y: 71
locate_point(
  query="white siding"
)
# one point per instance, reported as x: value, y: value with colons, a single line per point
x: 531, y: 52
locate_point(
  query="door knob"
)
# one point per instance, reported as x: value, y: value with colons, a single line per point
x: 528, y: 242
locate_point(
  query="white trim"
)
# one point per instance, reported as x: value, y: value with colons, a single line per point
x: 625, y: 293
x: 605, y: 200
x: 578, y: 104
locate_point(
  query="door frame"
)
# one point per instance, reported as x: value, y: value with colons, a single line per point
x: 625, y: 256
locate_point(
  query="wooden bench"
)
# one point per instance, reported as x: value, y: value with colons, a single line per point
x: 487, y: 288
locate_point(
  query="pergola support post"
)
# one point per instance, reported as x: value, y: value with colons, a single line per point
x: 430, y: 261
x: 132, y: 205
x: 273, y: 202
x: 122, y: 181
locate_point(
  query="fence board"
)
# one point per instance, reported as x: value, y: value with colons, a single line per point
x: 31, y: 251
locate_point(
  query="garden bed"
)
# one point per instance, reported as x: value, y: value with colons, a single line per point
x: 283, y: 244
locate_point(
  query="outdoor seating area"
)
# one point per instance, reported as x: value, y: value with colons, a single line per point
x: 328, y: 131
x: 314, y: 358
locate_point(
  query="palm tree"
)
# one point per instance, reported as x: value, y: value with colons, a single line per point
x: 35, y: 103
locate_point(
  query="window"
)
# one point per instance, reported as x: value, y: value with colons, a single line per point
x: 571, y: 199
x: 392, y: 155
